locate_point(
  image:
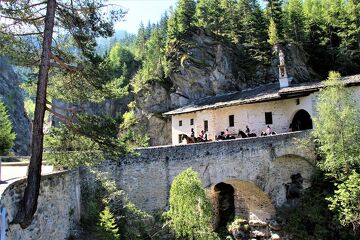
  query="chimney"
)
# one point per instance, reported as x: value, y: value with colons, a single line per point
x: 283, y: 77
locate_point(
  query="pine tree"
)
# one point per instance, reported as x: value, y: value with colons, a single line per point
x: 350, y: 36
x: 274, y: 12
x: 140, y: 42
x: 185, y: 15
x: 273, y: 34
x: 7, y: 136
x: 208, y: 15
x: 229, y: 19
x: 294, y: 21
x: 252, y: 29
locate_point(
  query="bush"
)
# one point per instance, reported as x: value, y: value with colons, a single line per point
x: 190, y: 213
x: 7, y: 136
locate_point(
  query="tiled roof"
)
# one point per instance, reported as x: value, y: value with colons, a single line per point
x: 267, y: 92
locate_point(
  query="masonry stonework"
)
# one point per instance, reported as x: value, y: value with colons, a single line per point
x: 58, y: 208
x: 267, y: 163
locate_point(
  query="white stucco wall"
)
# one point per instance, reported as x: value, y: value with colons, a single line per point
x: 253, y: 115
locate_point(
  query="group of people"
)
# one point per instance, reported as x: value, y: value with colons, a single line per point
x: 202, y: 135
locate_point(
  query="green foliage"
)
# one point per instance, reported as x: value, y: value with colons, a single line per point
x: 190, y: 211
x: 312, y: 219
x: 106, y: 204
x: 65, y: 149
x: 337, y: 128
x: 274, y: 12
x: 152, y: 67
x: 294, y: 21
x: 7, y: 136
x: 346, y: 201
x: 208, y: 15
x: 29, y: 106
x: 185, y: 12
x: 107, y: 228
x: 273, y: 33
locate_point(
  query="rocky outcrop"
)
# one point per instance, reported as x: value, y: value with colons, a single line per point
x: 11, y: 94
x: 201, y: 64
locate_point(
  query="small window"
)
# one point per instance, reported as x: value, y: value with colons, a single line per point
x: 180, y: 123
x: 192, y: 121
x: 206, y: 125
x: 268, y: 118
x: 297, y: 101
x: 231, y: 120
x: 180, y: 138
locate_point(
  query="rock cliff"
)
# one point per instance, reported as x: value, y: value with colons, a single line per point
x: 203, y: 65
x: 11, y: 94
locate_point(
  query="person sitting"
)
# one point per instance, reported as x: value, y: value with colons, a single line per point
x: 201, y: 135
x: 268, y: 130
x: 247, y: 131
x: 192, y: 134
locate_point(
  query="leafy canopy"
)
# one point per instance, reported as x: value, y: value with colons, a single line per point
x: 7, y: 136
x: 190, y: 211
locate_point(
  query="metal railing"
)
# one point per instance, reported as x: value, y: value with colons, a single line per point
x: 2, y: 223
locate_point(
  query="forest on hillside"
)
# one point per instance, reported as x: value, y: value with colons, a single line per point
x: 327, y: 30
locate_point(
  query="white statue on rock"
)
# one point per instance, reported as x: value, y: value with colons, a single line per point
x: 283, y: 78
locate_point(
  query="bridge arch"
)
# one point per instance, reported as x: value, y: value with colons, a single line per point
x: 280, y: 175
x: 301, y: 121
x: 239, y: 198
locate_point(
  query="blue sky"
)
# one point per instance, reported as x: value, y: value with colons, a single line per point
x: 141, y: 10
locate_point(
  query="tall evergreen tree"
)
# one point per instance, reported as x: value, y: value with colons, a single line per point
x: 140, y: 42
x: 7, y: 136
x: 252, y: 29
x: 185, y: 15
x: 273, y: 34
x: 208, y: 15
x: 81, y: 22
x: 274, y: 12
x: 350, y: 37
x: 294, y: 21
x: 229, y: 19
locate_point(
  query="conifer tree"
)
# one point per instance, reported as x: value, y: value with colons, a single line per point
x: 30, y: 28
x: 274, y: 13
x: 140, y: 42
x: 208, y: 15
x: 273, y: 34
x: 252, y: 29
x: 185, y: 15
x: 7, y: 136
x: 229, y: 19
x: 294, y: 21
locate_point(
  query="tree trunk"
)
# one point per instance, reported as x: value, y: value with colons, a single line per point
x: 28, y: 204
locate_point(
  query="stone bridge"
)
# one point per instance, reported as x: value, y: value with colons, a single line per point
x: 255, y: 169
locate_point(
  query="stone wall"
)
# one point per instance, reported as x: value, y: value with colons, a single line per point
x: 268, y: 162
x: 58, y: 207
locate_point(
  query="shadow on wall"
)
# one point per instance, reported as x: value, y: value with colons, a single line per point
x: 241, y: 199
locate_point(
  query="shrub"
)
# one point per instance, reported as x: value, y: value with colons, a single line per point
x: 190, y: 213
x: 7, y: 136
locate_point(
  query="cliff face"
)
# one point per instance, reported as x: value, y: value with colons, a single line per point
x: 10, y: 93
x: 202, y: 65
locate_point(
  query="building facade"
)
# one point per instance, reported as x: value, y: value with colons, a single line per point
x: 286, y: 108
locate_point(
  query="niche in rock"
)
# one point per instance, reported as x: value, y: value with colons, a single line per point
x: 223, y: 204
